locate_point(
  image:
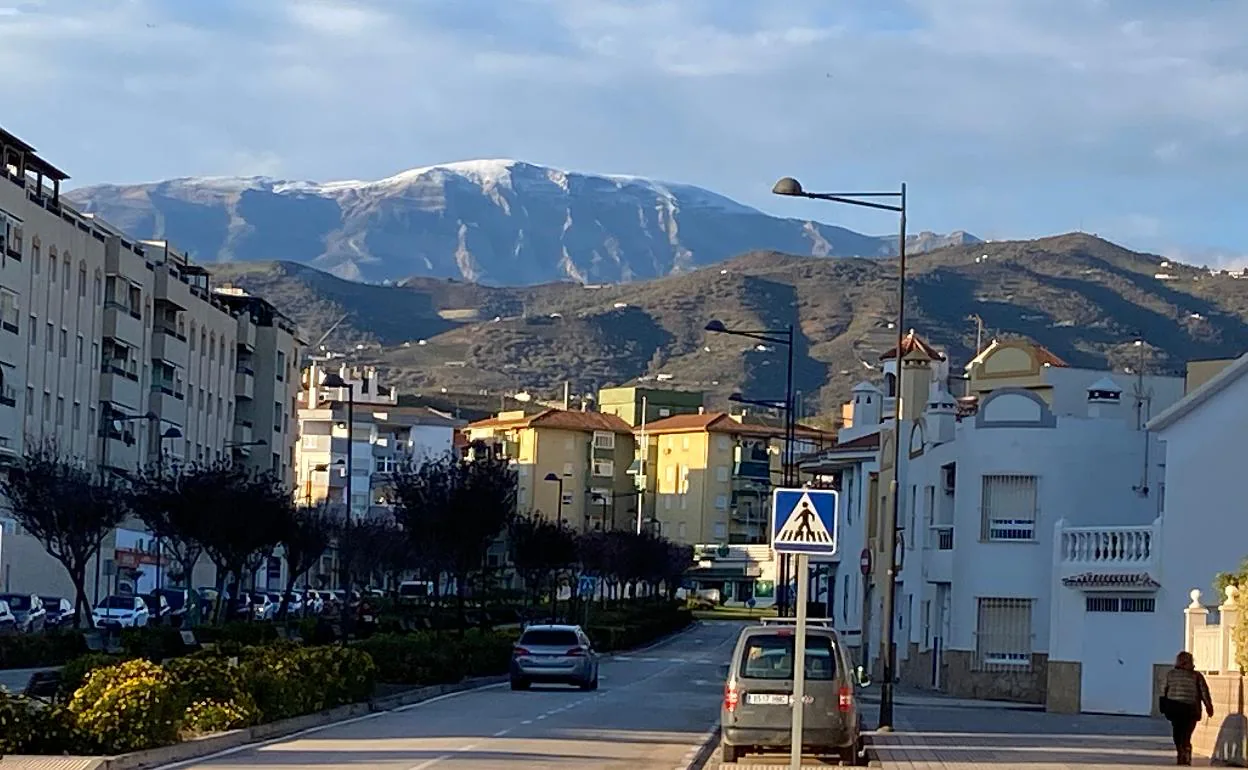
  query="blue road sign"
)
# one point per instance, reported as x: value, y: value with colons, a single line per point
x: 588, y: 584
x: 804, y: 521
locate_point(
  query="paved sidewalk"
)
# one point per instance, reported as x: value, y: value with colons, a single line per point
x: 945, y: 739
x: 16, y: 679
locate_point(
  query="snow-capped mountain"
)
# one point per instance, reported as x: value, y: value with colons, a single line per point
x: 490, y: 221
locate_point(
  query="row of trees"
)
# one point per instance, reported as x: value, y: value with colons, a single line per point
x: 444, y: 517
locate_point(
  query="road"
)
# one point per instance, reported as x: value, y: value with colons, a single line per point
x: 654, y: 709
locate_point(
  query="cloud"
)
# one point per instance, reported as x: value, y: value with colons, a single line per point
x: 1004, y: 115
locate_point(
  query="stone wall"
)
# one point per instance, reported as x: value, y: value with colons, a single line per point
x: 1029, y: 686
x: 1224, y: 737
x: 1064, y: 687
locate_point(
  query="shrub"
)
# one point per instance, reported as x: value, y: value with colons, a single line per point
x: 75, y: 672
x: 216, y: 688
x: 214, y: 716
x: 17, y: 723
x: 418, y: 659
x: 287, y: 680
x: 52, y: 648
x: 128, y: 707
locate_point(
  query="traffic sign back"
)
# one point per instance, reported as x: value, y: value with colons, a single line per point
x: 804, y: 521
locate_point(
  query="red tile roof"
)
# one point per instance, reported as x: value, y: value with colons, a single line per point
x: 1106, y: 579
x: 722, y: 422
x: 1046, y: 356
x: 560, y: 419
x: 909, y: 344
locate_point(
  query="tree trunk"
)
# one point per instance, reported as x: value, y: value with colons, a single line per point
x: 82, y: 606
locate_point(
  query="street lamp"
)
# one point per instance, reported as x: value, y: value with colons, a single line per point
x: 172, y: 433
x: 791, y: 187
x: 334, y: 380
x: 776, y: 337
x: 554, y: 591
x: 113, y: 419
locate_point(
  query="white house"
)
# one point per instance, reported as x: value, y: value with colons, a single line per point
x: 1204, y: 529
x: 1028, y: 518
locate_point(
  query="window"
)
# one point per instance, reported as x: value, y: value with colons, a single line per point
x: 30, y: 401
x: 281, y: 365
x: 47, y: 406
x: 567, y: 470
x: 1120, y: 604
x: 277, y: 416
x: 9, y: 310
x: 1009, y: 508
x: 77, y: 416
x: 721, y: 473
x: 602, y: 439
x: 670, y: 473
x: 665, y: 412
x: 82, y: 280
x: 64, y: 343
x: 66, y: 274
x: 770, y: 656
x: 78, y: 346
x: 50, y: 338
x: 1003, y: 635
x: 684, y: 443
x: 604, y: 468
x: 34, y: 330
x: 52, y: 265
x: 721, y: 502
x: 35, y: 256
x: 60, y: 410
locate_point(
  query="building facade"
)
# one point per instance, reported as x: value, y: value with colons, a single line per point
x: 114, y: 350
x: 583, y: 456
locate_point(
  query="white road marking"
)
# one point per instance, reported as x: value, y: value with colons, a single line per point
x: 501, y: 733
x: 430, y: 762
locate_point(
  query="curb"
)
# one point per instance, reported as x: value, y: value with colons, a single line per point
x: 704, y: 752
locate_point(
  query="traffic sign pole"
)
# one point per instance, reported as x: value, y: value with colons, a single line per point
x: 802, y: 574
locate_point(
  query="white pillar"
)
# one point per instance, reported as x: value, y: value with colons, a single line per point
x: 1194, y: 617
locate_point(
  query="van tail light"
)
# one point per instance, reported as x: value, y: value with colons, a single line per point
x: 732, y: 697
x: 576, y: 652
x: 845, y: 700
x: 519, y: 652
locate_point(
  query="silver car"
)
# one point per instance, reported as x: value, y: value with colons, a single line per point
x: 554, y: 654
x: 757, y: 713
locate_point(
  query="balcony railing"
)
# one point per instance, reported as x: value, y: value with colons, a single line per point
x: 1108, y: 546
x: 940, y: 537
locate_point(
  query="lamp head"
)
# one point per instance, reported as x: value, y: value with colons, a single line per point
x: 716, y: 326
x: 551, y: 477
x: 171, y: 432
x: 333, y: 380
x: 788, y: 186
x: 737, y: 397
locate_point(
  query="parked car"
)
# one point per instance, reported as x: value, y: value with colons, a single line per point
x: 28, y: 610
x: 157, y: 608
x: 8, y: 623
x: 121, y: 612
x: 179, y: 601
x: 554, y: 654
x: 294, y: 603
x: 313, y: 603
x: 262, y: 607
x: 757, y: 711
x: 60, y: 611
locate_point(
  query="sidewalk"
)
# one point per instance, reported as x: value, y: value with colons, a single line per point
x: 15, y: 679
x: 959, y: 737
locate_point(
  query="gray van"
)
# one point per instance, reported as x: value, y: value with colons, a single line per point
x: 756, y: 712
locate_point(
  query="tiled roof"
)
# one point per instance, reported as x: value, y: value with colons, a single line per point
x: 560, y: 419
x: 909, y: 344
x: 722, y: 422
x: 1045, y: 356
x: 1108, y: 579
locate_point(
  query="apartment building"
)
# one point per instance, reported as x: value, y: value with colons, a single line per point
x: 113, y: 348
x: 710, y: 475
x: 266, y: 384
x: 572, y: 466
x: 638, y: 406
x: 383, y: 435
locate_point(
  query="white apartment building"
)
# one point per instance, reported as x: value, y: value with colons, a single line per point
x: 1028, y: 518
x: 384, y: 436
x: 115, y: 349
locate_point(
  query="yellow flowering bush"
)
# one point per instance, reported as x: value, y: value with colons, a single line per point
x: 129, y: 707
x: 214, y: 716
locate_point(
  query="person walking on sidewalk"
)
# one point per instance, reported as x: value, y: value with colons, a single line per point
x: 1183, y: 695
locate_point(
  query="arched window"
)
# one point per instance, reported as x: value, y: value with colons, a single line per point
x: 890, y: 384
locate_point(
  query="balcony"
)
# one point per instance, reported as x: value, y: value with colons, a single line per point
x: 172, y: 288
x: 243, y: 433
x: 246, y: 333
x: 244, y: 383
x: 119, y: 386
x: 938, y: 561
x: 167, y: 402
x: 168, y: 345
x: 123, y: 324
x: 1093, y: 555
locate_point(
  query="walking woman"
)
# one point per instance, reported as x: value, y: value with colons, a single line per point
x: 1181, y: 699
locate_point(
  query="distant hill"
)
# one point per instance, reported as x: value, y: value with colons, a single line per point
x: 1084, y: 298
x: 499, y: 222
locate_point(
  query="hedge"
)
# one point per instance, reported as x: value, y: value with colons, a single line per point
x: 425, y: 658
x: 137, y: 704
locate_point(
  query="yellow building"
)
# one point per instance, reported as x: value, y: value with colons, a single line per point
x: 709, y: 476
x: 583, y: 455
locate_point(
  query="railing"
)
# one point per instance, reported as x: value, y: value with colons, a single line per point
x: 1212, y: 644
x: 1108, y: 546
x: 940, y: 537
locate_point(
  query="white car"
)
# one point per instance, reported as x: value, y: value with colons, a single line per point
x: 263, y: 607
x: 121, y: 612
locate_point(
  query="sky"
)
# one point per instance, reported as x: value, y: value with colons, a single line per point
x: 1005, y: 118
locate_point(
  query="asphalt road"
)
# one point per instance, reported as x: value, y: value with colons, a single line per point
x: 654, y: 709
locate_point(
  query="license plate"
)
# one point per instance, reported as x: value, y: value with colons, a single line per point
x: 766, y: 699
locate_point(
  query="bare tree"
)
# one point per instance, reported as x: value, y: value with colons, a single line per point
x: 67, y: 507
x: 306, y: 539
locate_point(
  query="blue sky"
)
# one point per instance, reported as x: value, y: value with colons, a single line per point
x: 1007, y: 118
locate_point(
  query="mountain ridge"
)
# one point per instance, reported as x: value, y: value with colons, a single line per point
x: 495, y: 221
x: 1085, y: 299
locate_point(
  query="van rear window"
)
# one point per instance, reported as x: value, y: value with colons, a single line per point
x: 771, y: 657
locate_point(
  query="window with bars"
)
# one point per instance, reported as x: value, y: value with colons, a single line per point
x: 1009, y: 507
x: 604, y: 440
x: 1132, y: 604
x: 1003, y: 635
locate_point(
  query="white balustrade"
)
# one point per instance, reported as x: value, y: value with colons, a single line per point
x: 1108, y: 546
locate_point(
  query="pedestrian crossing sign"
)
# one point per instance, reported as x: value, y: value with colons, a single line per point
x: 804, y: 521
